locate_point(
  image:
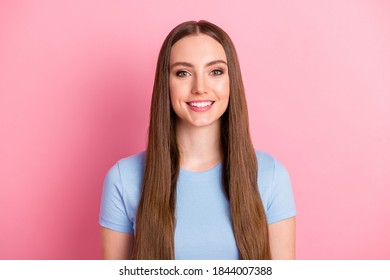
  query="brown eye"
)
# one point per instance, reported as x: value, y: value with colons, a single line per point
x: 216, y: 72
x: 182, y: 73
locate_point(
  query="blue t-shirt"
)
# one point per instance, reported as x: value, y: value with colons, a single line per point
x: 203, y: 222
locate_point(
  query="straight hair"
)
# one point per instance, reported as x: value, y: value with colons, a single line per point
x: 155, y: 220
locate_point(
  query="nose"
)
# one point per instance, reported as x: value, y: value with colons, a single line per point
x: 199, y: 85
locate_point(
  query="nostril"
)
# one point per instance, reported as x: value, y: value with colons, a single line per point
x: 199, y: 91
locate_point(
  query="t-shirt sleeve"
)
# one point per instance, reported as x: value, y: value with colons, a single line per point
x: 113, y: 214
x: 281, y: 198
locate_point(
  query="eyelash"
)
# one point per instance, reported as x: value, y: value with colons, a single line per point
x: 220, y: 72
x: 182, y: 73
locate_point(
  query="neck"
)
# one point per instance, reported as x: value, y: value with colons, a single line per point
x: 200, y: 147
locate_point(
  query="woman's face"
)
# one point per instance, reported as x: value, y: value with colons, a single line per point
x: 198, y: 80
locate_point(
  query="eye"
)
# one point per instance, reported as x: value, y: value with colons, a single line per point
x: 182, y: 73
x: 216, y: 72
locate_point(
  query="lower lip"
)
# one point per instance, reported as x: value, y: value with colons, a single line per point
x: 200, y: 109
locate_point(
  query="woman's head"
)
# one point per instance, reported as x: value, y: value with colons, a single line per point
x: 163, y: 79
x: 198, y: 81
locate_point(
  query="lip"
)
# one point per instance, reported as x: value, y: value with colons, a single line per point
x: 203, y: 109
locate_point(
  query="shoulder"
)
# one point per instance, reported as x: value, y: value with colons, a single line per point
x: 269, y: 166
x: 275, y: 188
x: 135, y: 161
x: 127, y: 173
x: 132, y: 164
x: 121, y: 193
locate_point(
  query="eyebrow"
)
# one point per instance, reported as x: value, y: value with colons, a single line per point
x: 187, y: 64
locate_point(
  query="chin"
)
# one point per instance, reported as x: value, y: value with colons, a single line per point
x: 204, y: 123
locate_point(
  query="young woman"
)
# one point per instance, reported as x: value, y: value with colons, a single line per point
x: 200, y: 190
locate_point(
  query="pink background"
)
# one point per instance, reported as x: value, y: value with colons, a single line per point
x: 75, y: 87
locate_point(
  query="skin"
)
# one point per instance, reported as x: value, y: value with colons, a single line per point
x: 116, y: 245
x: 199, y: 72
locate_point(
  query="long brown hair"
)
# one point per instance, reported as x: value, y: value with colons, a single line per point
x: 155, y: 221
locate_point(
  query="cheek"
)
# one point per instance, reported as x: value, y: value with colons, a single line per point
x: 171, y: 88
x: 224, y: 89
x: 173, y: 92
x: 176, y: 90
x: 175, y: 96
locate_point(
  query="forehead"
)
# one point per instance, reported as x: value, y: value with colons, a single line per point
x: 197, y: 48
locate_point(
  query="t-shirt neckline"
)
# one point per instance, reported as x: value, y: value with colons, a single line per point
x: 201, y: 174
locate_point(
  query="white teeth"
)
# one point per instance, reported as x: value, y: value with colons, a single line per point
x: 200, y: 104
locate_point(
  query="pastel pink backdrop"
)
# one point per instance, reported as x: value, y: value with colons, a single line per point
x: 75, y: 87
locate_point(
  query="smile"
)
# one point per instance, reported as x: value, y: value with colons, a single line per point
x: 200, y: 104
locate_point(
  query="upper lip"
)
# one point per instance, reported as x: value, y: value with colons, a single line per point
x: 198, y: 101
